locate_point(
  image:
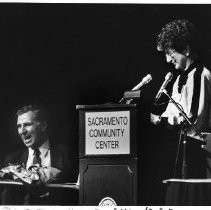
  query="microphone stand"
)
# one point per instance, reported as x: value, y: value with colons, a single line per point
x: 183, y: 133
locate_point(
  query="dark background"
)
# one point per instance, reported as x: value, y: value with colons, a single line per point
x: 61, y: 55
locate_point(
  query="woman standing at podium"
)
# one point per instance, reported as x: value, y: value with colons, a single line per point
x: 191, y: 92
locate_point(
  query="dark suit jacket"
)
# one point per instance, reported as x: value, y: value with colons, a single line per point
x: 61, y: 158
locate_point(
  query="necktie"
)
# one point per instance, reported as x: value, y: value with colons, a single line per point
x: 37, y: 159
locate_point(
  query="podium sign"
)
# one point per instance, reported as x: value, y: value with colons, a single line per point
x: 107, y: 132
x: 108, y: 154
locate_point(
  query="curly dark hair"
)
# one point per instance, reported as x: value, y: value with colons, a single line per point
x: 177, y: 35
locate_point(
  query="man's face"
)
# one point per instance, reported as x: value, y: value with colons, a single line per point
x: 179, y: 60
x: 30, y: 129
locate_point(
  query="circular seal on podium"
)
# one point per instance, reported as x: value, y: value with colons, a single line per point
x: 107, y: 201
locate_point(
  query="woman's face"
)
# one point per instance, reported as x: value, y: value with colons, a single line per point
x: 179, y: 60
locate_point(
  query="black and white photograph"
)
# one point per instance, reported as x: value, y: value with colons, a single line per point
x: 105, y: 104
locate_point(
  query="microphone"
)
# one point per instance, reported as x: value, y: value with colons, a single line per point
x: 168, y: 78
x: 143, y: 82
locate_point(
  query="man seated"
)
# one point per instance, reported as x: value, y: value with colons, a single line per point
x: 52, y: 163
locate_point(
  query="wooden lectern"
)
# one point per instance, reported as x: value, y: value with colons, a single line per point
x: 108, y: 154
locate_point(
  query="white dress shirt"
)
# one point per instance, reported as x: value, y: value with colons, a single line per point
x: 44, y: 155
x: 203, y: 120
